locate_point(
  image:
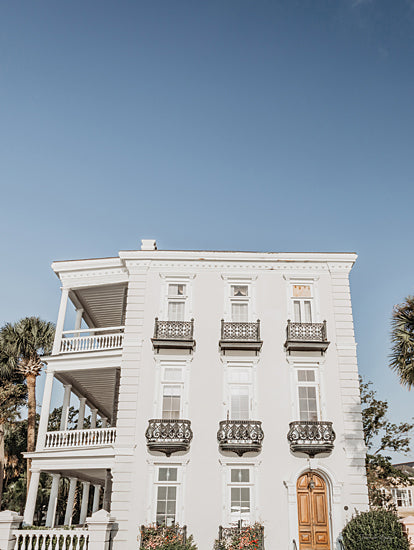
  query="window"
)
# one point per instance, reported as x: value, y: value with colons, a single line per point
x: 402, y: 497
x: 240, y: 392
x: 239, y: 300
x: 172, y: 388
x: 166, y: 491
x: 177, y: 295
x: 302, y: 303
x: 240, y: 494
x: 308, y: 394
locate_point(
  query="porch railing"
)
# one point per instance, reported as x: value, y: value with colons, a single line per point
x: 96, y: 437
x: 51, y: 539
x: 91, y: 339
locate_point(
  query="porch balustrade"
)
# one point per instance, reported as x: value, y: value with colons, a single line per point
x: 51, y: 539
x: 97, y: 437
x: 91, y: 339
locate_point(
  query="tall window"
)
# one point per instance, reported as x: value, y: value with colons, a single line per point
x: 240, y: 494
x: 302, y: 303
x: 172, y: 392
x: 177, y: 296
x: 167, y: 489
x: 308, y: 394
x: 240, y: 392
x: 402, y: 497
x: 239, y: 300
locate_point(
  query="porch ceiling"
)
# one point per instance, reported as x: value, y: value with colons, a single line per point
x: 103, y: 305
x: 94, y: 476
x: 97, y: 385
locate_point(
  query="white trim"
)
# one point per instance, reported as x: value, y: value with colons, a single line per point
x: 239, y: 463
x: 153, y: 466
x: 161, y: 363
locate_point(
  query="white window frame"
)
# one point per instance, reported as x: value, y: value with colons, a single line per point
x: 252, y: 384
x: 313, y: 283
x: 303, y: 364
x: 187, y: 299
x: 250, y: 299
x: 253, y: 485
x: 179, y: 507
x: 314, y: 384
x: 407, y: 498
x: 161, y: 365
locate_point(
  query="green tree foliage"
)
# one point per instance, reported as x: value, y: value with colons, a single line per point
x: 374, y: 530
x: 402, y: 339
x: 23, y: 345
x: 382, y: 436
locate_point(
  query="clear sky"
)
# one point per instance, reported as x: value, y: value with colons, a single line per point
x: 222, y: 124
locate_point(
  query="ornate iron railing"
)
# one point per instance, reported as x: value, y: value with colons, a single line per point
x: 228, y: 534
x: 306, y: 332
x: 173, y: 330
x: 95, y: 437
x: 51, y: 539
x: 240, y: 436
x: 311, y: 437
x: 91, y: 339
x: 240, y: 331
x: 168, y: 436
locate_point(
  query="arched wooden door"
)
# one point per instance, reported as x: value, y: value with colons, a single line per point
x: 313, y: 513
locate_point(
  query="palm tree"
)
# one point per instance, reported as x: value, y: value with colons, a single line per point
x: 402, y: 338
x: 24, y: 344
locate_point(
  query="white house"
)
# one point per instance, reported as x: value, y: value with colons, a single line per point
x: 225, y: 387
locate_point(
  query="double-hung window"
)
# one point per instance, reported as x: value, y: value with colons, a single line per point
x: 240, y: 494
x: 240, y: 386
x: 176, y: 301
x: 167, y: 486
x: 172, y: 393
x: 308, y: 393
x: 239, y: 303
x: 402, y: 497
x: 302, y: 303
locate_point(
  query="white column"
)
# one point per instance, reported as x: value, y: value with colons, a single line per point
x: 107, y: 491
x: 31, y: 498
x: 104, y: 422
x: 65, y: 407
x: 78, y: 320
x: 84, y: 505
x: 71, y: 501
x: 44, y: 414
x: 51, y: 509
x: 94, y: 413
x: 60, y: 320
x: 96, y: 495
x: 81, y: 416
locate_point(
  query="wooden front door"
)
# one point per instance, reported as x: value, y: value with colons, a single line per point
x: 313, y: 513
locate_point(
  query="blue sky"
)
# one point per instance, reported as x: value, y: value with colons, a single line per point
x: 236, y: 124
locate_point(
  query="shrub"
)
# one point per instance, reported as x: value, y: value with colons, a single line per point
x: 244, y: 538
x: 161, y: 537
x: 374, y: 530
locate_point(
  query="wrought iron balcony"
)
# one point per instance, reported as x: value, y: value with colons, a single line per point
x: 306, y: 337
x: 311, y: 437
x: 227, y: 534
x: 240, y: 436
x: 173, y: 334
x: 159, y: 531
x: 245, y: 336
x: 169, y: 436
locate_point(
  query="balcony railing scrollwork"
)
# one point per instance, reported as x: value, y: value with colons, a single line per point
x: 173, y: 334
x: 240, y: 335
x: 240, y: 436
x: 311, y: 437
x: 168, y: 436
x: 306, y: 336
x: 229, y: 535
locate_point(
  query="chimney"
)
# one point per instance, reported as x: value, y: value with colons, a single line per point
x: 148, y: 244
